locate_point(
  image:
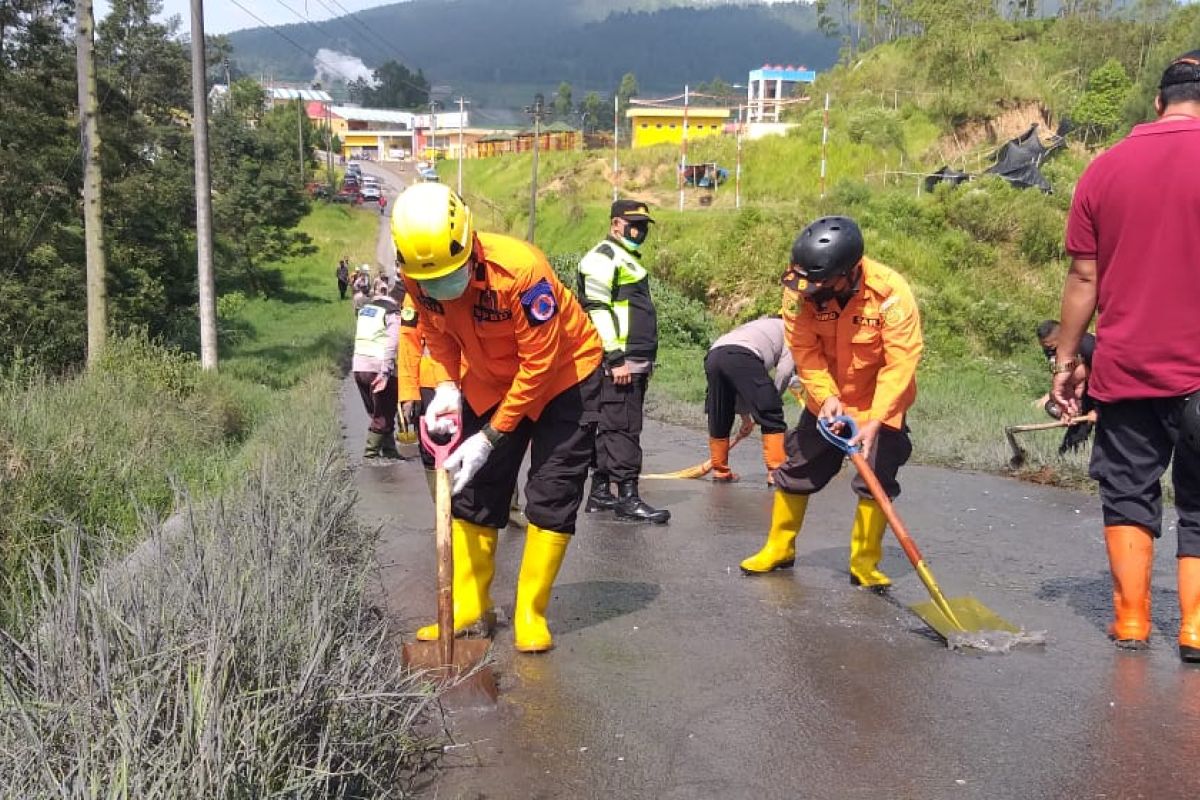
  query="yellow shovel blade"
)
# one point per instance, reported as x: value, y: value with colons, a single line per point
x: 972, y: 615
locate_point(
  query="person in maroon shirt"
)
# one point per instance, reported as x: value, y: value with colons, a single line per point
x: 1134, y: 238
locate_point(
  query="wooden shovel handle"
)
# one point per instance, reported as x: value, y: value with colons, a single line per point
x: 868, y: 476
x: 445, y: 568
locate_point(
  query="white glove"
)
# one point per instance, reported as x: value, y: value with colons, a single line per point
x: 444, y: 410
x: 467, y: 460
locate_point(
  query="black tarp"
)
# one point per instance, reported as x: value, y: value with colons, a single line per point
x: 1018, y: 161
x: 945, y: 175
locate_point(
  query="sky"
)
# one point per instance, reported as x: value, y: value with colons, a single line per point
x: 223, y: 16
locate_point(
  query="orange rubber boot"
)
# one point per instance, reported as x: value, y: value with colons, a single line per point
x: 1189, y: 607
x: 718, y: 453
x: 1131, y: 558
x: 774, y: 454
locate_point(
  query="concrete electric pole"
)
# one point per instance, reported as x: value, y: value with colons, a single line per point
x: 93, y: 218
x: 204, y: 234
x: 538, y: 112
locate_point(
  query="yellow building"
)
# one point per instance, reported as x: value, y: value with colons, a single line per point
x: 653, y: 126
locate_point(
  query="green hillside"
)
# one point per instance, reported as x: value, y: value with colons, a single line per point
x: 985, y: 259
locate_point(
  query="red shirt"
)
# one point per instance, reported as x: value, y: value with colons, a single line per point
x: 1136, y: 212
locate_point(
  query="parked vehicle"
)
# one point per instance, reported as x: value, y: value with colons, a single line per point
x: 371, y: 193
x: 346, y: 196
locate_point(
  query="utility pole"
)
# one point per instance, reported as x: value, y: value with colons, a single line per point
x: 93, y: 218
x: 683, y: 149
x: 461, y: 152
x: 737, y: 177
x: 537, y: 111
x: 300, y: 135
x: 824, y: 142
x: 204, y: 236
x: 433, y: 107
x: 616, y: 136
x: 329, y: 149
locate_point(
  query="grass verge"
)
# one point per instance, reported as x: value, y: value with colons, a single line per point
x: 234, y: 658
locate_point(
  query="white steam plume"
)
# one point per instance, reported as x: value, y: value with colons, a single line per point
x: 333, y: 66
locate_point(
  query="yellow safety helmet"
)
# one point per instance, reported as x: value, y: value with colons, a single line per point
x: 432, y: 229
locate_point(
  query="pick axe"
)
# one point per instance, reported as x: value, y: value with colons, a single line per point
x: 1018, y: 453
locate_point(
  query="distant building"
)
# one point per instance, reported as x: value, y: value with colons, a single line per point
x: 386, y: 134
x: 656, y: 125
x: 769, y: 87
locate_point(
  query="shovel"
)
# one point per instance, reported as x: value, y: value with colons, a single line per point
x: 456, y: 663
x: 947, y: 616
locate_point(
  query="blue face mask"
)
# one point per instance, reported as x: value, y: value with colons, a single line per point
x: 448, y: 287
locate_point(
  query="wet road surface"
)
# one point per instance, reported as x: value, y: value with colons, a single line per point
x: 676, y: 677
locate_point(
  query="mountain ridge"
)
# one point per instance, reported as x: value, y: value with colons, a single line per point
x: 539, y: 43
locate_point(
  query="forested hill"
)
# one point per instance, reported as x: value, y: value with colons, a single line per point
x: 542, y: 42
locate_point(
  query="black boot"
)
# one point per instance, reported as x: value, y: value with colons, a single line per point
x: 630, y: 506
x: 601, y: 498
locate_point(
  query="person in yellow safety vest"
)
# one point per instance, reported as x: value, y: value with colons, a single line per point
x: 517, y: 367
x: 376, y: 340
x: 855, y: 334
x: 614, y: 287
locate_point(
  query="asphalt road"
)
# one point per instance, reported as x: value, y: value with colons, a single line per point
x: 676, y: 677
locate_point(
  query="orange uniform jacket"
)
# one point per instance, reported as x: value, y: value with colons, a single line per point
x: 866, y: 353
x: 517, y: 337
x: 414, y: 368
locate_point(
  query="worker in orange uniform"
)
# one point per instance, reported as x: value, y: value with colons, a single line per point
x: 855, y: 335
x: 516, y: 364
x: 414, y: 372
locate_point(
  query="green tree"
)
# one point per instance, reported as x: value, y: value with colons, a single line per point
x: 563, y: 105
x: 594, y: 112
x: 627, y: 90
x: 1098, y: 112
x: 393, y: 85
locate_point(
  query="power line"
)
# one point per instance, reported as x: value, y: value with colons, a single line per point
x: 290, y: 40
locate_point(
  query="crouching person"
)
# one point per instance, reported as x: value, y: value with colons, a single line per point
x: 516, y: 364
x: 855, y: 335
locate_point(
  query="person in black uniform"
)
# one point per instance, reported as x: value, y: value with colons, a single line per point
x: 614, y: 288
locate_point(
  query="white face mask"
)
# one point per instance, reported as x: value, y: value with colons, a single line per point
x: 448, y: 287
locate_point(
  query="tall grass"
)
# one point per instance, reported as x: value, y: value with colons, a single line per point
x: 232, y: 657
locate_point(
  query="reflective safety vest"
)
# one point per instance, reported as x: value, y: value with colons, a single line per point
x: 370, y: 337
x: 615, y: 290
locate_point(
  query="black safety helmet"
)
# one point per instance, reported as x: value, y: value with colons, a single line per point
x: 827, y: 248
x: 1189, y: 422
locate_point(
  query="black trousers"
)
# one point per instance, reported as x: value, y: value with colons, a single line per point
x: 735, y: 372
x: 1135, y: 441
x: 619, y: 433
x: 560, y: 446
x: 381, y: 406
x: 342, y: 289
x: 813, y: 462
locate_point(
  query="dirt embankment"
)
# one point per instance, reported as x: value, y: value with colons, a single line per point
x: 973, y: 142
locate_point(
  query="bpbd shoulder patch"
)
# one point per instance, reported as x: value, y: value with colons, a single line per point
x: 408, y: 317
x: 538, y: 303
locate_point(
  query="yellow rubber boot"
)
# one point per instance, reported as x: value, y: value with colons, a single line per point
x: 1189, y: 606
x: 866, y: 546
x: 544, y: 552
x: 1131, y: 559
x: 787, y: 515
x: 774, y: 454
x: 474, y: 565
x: 718, y: 454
